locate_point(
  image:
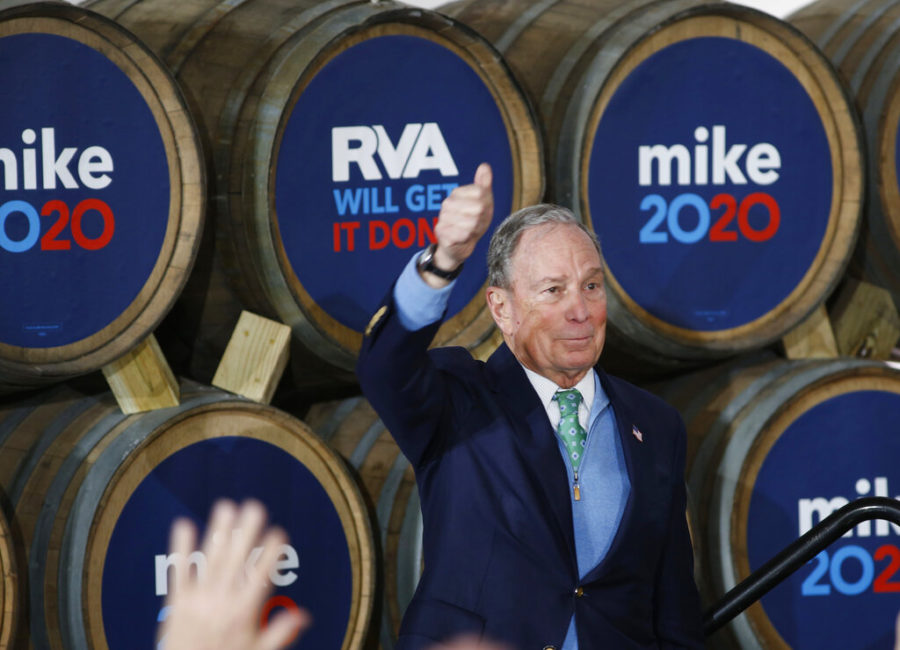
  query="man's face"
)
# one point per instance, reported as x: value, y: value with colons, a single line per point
x: 553, y: 317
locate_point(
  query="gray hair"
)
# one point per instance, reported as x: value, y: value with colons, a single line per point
x: 506, y: 237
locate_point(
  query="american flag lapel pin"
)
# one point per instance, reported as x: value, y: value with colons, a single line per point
x: 637, y: 433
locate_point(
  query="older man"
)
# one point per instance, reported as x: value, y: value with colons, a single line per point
x: 552, y: 494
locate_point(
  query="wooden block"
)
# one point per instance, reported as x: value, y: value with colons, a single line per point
x: 811, y: 339
x: 142, y: 379
x: 865, y: 320
x: 255, y: 358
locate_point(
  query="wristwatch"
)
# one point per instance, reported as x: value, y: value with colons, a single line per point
x: 426, y: 263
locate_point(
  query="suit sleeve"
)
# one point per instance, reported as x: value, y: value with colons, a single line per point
x: 677, y: 602
x: 400, y: 380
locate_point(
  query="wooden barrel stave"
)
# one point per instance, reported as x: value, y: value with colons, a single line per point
x: 353, y: 429
x: 862, y: 41
x: 11, y: 586
x: 164, y: 26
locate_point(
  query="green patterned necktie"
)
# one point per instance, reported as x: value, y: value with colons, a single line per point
x: 569, y: 429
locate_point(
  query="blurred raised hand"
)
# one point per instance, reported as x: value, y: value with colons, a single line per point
x: 219, y: 608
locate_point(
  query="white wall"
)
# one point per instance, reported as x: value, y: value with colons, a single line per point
x: 780, y: 8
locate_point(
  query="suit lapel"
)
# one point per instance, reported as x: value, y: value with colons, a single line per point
x: 536, y: 440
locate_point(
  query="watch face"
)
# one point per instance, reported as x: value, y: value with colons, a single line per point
x: 426, y: 263
x: 425, y: 258
x: 428, y: 255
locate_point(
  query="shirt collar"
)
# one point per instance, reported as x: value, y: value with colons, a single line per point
x: 546, y: 388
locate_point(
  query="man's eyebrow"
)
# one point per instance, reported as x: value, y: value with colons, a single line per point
x: 549, y: 279
x: 556, y: 279
x: 596, y: 272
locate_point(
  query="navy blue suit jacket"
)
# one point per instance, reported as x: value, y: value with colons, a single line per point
x: 499, y: 548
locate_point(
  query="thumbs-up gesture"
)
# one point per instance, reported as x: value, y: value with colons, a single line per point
x: 465, y: 216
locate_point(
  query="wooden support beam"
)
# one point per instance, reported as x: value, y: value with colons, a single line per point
x: 255, y: 358
x: 811, y: 339
x: 865, y: 320
x: 142, y: 379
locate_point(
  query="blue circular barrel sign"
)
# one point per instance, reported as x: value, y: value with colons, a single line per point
x: 85, y: 190
x: 714, y: 180
x: 98, y: 159
x: 830, y: 446
x: 849, y: 595
x: 238, y: 453
x: 375, y: 141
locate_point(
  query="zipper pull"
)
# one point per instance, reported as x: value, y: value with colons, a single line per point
x: 576, y: 490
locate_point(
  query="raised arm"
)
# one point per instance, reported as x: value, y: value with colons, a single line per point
x: 394, y: 370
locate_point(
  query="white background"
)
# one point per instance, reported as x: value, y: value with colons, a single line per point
x: 780, y: 8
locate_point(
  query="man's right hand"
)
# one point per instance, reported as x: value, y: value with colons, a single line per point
x: 464, y: 217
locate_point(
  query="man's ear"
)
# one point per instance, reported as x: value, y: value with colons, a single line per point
x: 499, y: 302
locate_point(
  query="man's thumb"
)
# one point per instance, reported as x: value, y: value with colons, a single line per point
x: 484, y: 176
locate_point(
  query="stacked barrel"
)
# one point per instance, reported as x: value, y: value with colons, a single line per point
x: 195, y: 159
x: 104, y: 194
x: 93, y: 493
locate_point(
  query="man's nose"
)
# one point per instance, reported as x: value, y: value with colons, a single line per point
x: 577, y: 309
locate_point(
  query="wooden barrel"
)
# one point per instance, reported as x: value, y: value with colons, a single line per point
x: 863, y: 42
x: 336, y: 128
x: 710, y: 146
x: 10, y: 589
x: 353, y: 429
x: 103, y: 193
x: 776, y: 447
x: 95, y: 492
